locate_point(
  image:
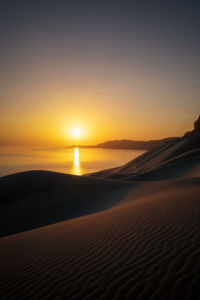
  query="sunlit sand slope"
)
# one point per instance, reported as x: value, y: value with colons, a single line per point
x: 146, y: 247
x: 174, y: 159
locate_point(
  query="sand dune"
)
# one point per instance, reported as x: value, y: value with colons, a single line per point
x: 145, y: 249
x: 37, y: 198
x: 136, y: 237
x: 174, y: 159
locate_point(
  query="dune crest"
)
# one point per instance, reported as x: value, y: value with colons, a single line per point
x: 38, y: 198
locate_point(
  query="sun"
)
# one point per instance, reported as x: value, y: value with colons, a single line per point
x: 76, y: 132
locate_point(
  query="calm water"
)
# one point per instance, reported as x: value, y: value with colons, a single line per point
x: 76, y: 161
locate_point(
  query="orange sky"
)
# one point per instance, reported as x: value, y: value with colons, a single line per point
x: 42, y: 108
x: 115, y: 71
x: 47, y: 117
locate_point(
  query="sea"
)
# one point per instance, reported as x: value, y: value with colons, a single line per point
x: 72, y: 160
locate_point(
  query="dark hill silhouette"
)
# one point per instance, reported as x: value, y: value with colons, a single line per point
x: 196, y: 129
x: 137, y: 145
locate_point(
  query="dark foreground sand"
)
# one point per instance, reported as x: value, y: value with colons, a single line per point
x: 142, y: 242
x: 37, y: 198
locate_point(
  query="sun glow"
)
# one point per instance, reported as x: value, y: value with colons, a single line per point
x: 76, y: 132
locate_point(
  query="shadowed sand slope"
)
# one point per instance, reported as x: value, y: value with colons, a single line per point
x: 37, y: 198
x: 147, y: 247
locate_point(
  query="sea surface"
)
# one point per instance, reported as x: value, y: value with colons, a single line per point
x: 77, y: 161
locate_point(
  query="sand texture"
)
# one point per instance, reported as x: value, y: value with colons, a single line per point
x: 135, y: 237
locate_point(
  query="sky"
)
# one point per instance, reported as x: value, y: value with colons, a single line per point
x: 113, y: 69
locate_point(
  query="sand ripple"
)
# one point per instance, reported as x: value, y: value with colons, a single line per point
x: 146, y: 249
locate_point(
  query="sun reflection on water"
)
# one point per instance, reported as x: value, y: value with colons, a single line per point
x: 76, y: 162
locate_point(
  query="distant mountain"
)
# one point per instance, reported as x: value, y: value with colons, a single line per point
x: 147, y: 145
x: 129, y: 144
